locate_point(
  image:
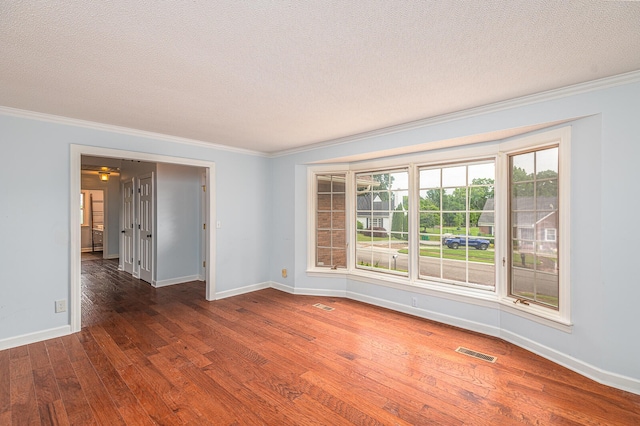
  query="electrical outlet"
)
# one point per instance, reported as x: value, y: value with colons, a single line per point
x: 284, y: 273
x: 61, y: 306
x: 414, y: 302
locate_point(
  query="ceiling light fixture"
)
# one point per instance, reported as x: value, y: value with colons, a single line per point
x: 104, y: 176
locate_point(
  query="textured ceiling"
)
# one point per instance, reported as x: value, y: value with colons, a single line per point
x: 276, y: 75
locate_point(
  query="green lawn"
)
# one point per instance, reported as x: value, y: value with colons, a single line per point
x: 364, y: 238
x: 484, y: 256
x: 473, y: 231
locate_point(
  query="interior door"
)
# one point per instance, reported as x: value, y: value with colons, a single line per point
x: 203, y: 231
x: 128, y: 218
x: 145, y: 224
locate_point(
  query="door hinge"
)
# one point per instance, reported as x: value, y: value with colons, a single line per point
x: 138, y: 262
x: 204, y: 226
x: 139, y: 192
x: 204, y: 263
x: 204, y: 188
x: 139, y: 227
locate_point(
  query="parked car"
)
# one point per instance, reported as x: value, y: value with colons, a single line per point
x: 477, y: 243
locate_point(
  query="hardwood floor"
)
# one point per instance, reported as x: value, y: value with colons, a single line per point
x: 166, y: 356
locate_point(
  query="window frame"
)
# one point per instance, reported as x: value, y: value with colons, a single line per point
x: 562, y: 139
x: 499, y: 151
x: 312, y: 204
x: 466, y: 211
x: 354, y: 196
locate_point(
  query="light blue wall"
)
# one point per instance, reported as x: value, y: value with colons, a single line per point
x: 605, y: 171
x: 30, y: 280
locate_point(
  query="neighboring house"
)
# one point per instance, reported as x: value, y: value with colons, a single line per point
x: 486, y: 222
x: 374, y: 214
x: 529, y: 223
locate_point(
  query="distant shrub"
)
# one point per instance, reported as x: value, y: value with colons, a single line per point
x: 375, y: 232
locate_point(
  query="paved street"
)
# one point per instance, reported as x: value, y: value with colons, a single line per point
x: 479, y: 273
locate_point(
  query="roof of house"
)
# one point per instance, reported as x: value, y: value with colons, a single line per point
x: 379, y: 207
x: 524, y: 210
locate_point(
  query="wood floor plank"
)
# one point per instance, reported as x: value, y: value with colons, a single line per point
x: 167, y: 356
x: 5, y: 387
x: 48, y: 396
x: 75, y: 403
x: 127, y: 404
x: 24, y: 406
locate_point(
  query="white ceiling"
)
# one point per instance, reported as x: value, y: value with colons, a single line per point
x: 270, y: 76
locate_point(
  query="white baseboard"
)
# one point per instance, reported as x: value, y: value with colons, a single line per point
x: 604, y: 377
x: 426, y: 314
x: 38, y: 336
x: 179, y: 280
x: 308, y: 291
x: 112, y: 256
x: 242, y: 290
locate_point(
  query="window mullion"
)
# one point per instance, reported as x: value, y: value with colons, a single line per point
x: 414, y: 227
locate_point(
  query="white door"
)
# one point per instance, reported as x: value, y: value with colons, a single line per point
x: 203, y: 232
x: 145, y: 224
x: 127, y: 227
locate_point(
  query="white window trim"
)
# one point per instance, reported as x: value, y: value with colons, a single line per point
x: 499, y: 298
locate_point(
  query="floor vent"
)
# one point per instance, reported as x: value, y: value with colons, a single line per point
x: 476, y: 354
x: 323, y: 307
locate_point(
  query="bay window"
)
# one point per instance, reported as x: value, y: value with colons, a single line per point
x: 488, y: 222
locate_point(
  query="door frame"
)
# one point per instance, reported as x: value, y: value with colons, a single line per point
x: 76, y: 151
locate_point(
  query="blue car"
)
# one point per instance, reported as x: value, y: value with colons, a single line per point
x: 477, y: 243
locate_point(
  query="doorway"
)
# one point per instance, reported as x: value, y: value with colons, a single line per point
x: 77, y: 151
x: 92, y: 220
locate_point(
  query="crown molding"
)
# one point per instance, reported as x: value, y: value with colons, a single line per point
x: 575, y: 89
x: 33, y: 115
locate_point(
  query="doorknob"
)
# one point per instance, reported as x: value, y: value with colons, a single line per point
x: 148, y: 235
x: 122, y: 231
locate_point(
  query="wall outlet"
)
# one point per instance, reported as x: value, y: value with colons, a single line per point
x: 61, y: 306
x: 414, y: 302
x: 284, y: 273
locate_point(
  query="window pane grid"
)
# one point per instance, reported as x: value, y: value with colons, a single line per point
x: 331, y: 221
x: 382, y: 221
x: 456, y: 225
x: 534, y: 222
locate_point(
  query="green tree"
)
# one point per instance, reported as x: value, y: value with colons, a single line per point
x: 478, y: 196
x: 399, y: 223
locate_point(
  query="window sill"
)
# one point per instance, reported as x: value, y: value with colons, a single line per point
x: 537, y: 314
x: 327, y: 272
